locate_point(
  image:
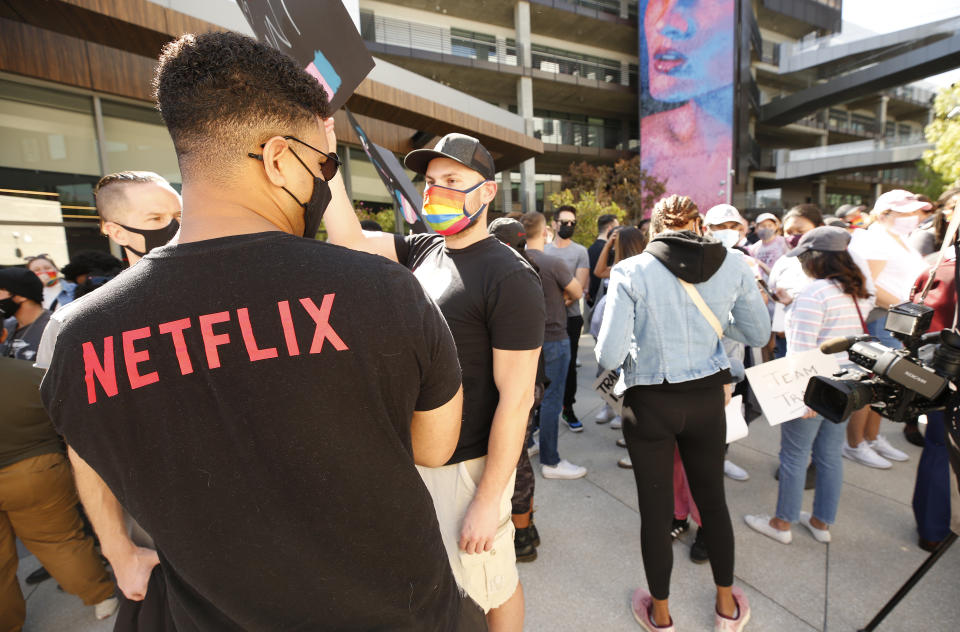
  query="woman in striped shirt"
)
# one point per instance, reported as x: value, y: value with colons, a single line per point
x: 834, y: 304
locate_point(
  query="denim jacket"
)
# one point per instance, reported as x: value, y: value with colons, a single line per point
x: 655, y: 332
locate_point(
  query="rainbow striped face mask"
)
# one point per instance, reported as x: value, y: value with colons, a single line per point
x: 443, y: 208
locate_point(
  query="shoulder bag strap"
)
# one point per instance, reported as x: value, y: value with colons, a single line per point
x: 702, y: 306
x: 863, y: 323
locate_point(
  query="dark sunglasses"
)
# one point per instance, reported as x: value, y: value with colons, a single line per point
x: 567, y: 222
x: 328, y: 168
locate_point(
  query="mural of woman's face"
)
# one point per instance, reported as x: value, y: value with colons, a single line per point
x: 689, y: 47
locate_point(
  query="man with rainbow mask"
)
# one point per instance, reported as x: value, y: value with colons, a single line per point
x: 493, y: 302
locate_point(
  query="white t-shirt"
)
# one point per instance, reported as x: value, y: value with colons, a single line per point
x: 904, y: 264
x: 788, y: 275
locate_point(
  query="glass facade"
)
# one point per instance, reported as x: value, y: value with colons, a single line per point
x: 52, y: 151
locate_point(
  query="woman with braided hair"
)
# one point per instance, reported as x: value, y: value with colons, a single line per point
x: 667, y: 311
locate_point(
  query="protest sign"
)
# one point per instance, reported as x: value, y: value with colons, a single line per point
x: 405, y: 197
x: 604, y: 387
x: 320, y: 35
x: 779, y: 385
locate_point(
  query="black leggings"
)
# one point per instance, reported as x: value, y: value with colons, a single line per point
x: 654, y: 419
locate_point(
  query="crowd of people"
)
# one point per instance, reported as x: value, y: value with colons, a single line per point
x: 246, y: 409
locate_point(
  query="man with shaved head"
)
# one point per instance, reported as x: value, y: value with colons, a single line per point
x: 139, y: 210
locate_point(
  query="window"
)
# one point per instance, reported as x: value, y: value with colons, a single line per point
x: 137, y: 140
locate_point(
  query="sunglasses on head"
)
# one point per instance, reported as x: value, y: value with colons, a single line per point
x: 328, y: 168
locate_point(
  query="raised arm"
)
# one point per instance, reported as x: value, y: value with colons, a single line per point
x: 340, y: 220
x: 131, y: 564
x: 602, y: 269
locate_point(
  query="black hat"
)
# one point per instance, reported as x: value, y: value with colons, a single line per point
x: 464, y: 149
x: 22, y: 282
x: 822, y: 239
x: 508, y: 230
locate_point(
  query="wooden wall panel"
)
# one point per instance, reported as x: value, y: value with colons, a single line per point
x: 140, y: 12
x: 120, y: 72
x: 27, y: 50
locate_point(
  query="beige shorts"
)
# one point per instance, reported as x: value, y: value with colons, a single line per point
x: 491, y: 577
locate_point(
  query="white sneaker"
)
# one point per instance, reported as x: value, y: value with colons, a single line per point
x: 564, y: 470
x: 734, y: 471
x: 617, y: 423
x: 820, y: 535
x: 865, y: 455
x: 605, y: 414
x: 761, y: 524
x: 625, y: 463
x: 106, y: 608
x: 534, y: 449
x: 882, y: 447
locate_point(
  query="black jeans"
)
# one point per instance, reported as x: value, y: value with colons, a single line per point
x: 574, y: 327
x: 654, y: 419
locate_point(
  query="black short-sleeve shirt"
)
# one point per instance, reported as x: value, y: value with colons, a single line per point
x: 491, y: 298
x: 248, y: 400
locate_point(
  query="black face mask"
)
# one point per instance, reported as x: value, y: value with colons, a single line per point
x: 314, y: 209
x: 154, y: 238
x: 8, y: 307
x: 565, y: 231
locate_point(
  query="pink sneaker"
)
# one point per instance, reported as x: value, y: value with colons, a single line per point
x: 726, y: 624
x: 641, y: 604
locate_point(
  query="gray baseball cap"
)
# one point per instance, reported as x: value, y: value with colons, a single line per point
x: 822, y: 239
x: 461, y: 148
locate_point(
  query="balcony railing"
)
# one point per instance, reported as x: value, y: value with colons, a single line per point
x: 846, y: 149
x: 562, y: 132
x: 551, y: 60
x: 416, y: 36
x: 610, y: 7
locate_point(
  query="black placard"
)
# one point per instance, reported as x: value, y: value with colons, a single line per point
x: 317, y: 33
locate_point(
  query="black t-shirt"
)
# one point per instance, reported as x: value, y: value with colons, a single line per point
x: 491, y: 298
x: 22, y: 342
x: 248, y: 400
x: 593, y: 256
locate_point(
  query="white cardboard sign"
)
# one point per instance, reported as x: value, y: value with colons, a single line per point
x: 604, y: 387
x: 779, y: 384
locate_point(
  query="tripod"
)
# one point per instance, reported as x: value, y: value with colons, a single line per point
x: 910, y: 583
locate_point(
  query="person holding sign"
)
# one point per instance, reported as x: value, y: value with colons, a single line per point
x: 834, y: 304
x: 493, y: 301
x: 667, y: 311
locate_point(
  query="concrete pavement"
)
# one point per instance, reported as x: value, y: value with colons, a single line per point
x: 589, y: 560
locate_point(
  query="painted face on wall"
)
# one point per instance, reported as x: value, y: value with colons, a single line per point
x: 689, y: 47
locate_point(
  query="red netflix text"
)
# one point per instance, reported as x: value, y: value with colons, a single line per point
x: 101, y: 367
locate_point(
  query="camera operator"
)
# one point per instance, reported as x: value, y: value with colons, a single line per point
x: 834, y: 304
x: 931, y: 492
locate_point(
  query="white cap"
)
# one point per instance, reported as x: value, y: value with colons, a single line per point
x: 762, y: 217
x: 900, y: 201
x: 723, y: 213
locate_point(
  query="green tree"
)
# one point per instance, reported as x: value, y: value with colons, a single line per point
x: 589, y: 209
x: 944, y: 133
x: 624, y: 184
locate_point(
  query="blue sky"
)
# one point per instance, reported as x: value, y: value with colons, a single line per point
x: 883, y: 16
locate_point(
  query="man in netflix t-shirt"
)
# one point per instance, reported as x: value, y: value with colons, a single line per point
x: 258, y: 401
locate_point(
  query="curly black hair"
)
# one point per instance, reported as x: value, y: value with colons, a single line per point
x: 222, y: 94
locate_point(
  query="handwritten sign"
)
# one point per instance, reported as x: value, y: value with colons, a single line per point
x: 779, y: 385
x: 604, y: 387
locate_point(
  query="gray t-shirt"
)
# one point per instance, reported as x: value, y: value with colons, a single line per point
x: 575, y: 256
x: 21, y: 342
x: 554, y: 276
